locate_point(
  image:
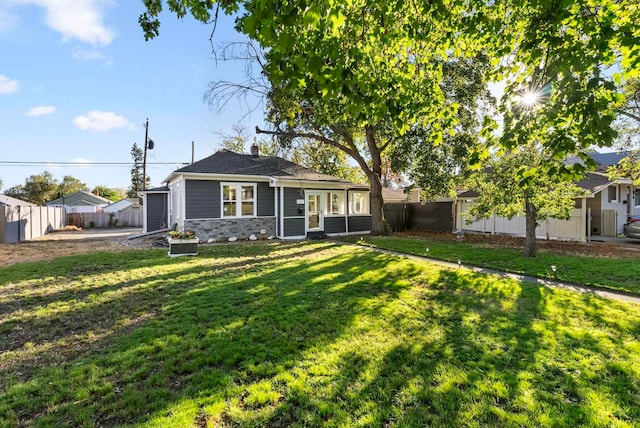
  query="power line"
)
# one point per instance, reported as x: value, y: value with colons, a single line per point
x: 87, y: 164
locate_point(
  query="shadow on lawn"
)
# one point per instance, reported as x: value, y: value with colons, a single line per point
x: 486, y: 352
x: 230, y: 321
x: 221, y: 325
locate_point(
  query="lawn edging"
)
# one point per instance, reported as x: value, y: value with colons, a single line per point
x: 565, y: 285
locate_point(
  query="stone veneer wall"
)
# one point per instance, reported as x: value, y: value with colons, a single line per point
x: 221, y: 229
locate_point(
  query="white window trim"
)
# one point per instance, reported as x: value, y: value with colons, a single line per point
x: 239, y: 201
x: 329, y: 197
x: 366, y: 203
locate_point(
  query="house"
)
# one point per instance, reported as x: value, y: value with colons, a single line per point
x: 229, y: 194
x: 13, y: 202
x: 123, y: 205
x: 80, y: 202
x: 602, y: 211
x: 393, y: 196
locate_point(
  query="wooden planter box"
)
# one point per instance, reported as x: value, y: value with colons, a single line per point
x: 183, y: 247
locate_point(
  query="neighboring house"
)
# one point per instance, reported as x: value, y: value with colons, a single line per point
x: 123, y: 205
x: 13, y: 202
x: 229, y: 194
x: 80, y: 202
x: 612, y: 201
x: 603, y: 211
x: 392, y: 196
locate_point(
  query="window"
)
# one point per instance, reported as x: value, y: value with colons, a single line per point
x: 636, y: 197
x: 613, y: 193
x: 359, y: 203
x: 238, y: 200
x: 335, y: 203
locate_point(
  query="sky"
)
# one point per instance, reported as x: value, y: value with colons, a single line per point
x: 78, y: 81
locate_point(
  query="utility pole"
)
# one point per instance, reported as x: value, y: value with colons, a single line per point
x: 193, y: 151
x: 144, y: 160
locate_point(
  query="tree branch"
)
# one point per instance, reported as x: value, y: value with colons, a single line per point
x: 628, y: 114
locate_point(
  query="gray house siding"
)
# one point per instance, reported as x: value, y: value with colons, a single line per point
x: 334, y: 225
x: 202, y: 199
x: 294, y: 227
x: 291, y: 206
x: 157, y: 211
x: 265, y: 200
x: 359, y: 223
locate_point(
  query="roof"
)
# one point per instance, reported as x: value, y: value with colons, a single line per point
x: 121, y: 205
x: 392, y: 195
x: 161, y: 189
x: 13, y: 202
x: 226, y: 162
x: 594, y: 182
x: 80, y: 198
x: 602, y: 160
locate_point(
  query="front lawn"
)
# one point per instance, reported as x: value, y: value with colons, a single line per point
x: 605, y: 272
x: 305, y: 334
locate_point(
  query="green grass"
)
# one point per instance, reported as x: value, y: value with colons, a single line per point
x: 306, y: 334
x: 605, y: 272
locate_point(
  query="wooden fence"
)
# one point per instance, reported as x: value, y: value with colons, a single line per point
x: 101, y: 220
x: 436, y: 216
x: 23, y: 223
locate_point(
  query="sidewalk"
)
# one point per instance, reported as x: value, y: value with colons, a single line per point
x: 607, y: 294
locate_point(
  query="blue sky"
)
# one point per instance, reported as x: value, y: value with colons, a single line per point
x: 78, y: 81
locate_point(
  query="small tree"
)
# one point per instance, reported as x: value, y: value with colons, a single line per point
x: 518, y: 183
x: 137, y: 180
x: 112, y: 193
x: 235, y: 142
x: 70, y: 185
x: 37, y: 189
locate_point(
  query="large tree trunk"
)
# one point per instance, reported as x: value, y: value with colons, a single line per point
x: 530, y: 246
x: 377, y: 215
x: 375, y: 182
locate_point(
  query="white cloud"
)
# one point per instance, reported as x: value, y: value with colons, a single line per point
x: 83, y: 161
x: 41, y: 111
x: 74, y: 19
x: 8, y: 21
x: 101, y: 121
x: 90, y: 55
x: 7, y: 86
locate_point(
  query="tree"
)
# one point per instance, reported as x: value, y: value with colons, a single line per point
x: 434, y: 168
x: 628, y: 124
x: 359, y: 75
x: 70, y: 185
x: 628, y: 127
x: 112, y: 193
x: 137, y: 180
x: 513, y: 183
x: 310, y: 154
x: 235, y: 142
x: 37, y: 189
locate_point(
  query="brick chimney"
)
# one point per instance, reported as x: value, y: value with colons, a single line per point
x: 255, y: 151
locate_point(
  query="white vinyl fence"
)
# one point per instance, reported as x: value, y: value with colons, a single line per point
x: 23, y: 223
x: 573, y: 229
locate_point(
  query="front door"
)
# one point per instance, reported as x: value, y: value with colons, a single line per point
x: 314, y: 211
